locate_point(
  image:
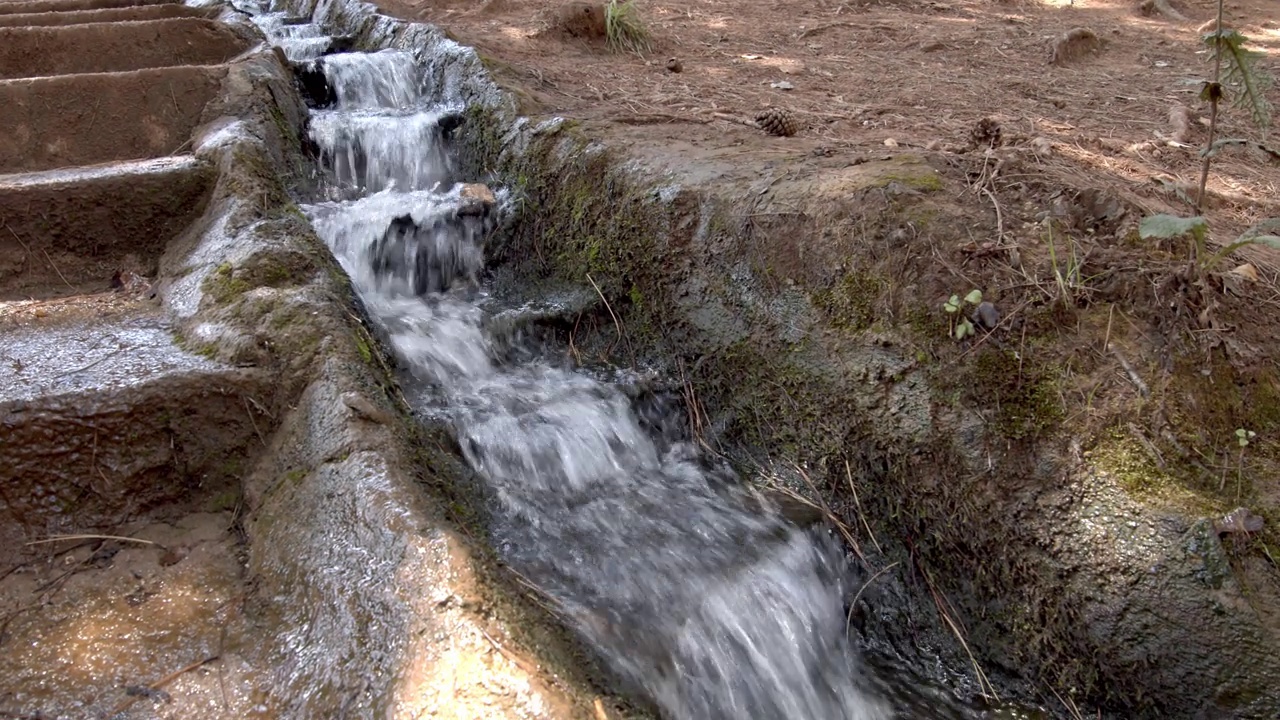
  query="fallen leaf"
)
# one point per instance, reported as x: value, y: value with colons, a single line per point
x: 1246, y: 271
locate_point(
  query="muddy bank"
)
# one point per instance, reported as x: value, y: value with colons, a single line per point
x: 801, y: 298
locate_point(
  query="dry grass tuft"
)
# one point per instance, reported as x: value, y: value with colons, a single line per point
x: 623, y: 28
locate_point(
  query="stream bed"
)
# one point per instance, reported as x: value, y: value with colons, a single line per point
x: 694, y: 593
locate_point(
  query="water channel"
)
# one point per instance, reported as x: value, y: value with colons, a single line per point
x: 693, y: 595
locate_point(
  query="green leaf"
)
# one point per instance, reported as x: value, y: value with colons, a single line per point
x: 964, y: 328
x: 1271, y: 241
x: 952, y: 305
x: 974, y: 297
x: 1166, y: 226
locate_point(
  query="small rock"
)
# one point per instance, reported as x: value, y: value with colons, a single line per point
x: 987, y: 315
x: 1240, y: 520
x: 1042, y: 146
x: 478, y: 192
x: 174, y: 555
x: 366, y: 410
x: 674, y: 65
x: 890, y: 142
x: 130, y: 282
x: 782, y: 85
x: 477, y: 199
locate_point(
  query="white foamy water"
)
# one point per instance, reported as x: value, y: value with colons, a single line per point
x: 691, y: 593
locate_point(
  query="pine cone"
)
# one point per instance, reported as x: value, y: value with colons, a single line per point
x: 778, y: 121
x: 986, y: 133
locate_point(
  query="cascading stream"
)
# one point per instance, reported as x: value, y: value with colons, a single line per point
x: 695, y: 595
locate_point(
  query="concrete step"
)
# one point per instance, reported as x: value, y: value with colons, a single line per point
x: 66, y: 232
x: 44, y: 51
x: 43, y: 6
x: 70, y: 120
x: 77, y: 17
x: 101, y: 420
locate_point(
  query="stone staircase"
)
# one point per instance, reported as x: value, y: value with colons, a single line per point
x: 108, y: 427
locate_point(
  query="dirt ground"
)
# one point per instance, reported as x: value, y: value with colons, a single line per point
x: 915, y: 73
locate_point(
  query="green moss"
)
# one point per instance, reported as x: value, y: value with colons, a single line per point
x: 1022, y: 398
x: 252, y: 178
x: 924, y: 181
x: 204, y: 350
x: 224, y: 501
x: 1122, y: 456
x: 266, y: 268
x: 287, y: 132
x: 222, y: 286
x: 366, y: 352
x: 850, y: 301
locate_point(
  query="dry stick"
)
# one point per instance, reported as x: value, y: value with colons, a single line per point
x: 128, y: 702
x: 1070, y: 706
x: 733, y: 119
x: 57, y: 538
x: 999, y: 215
x: 249, y: 411
x: 984, y: 685
x: 55, y: 268
x: 508, y: 654
x: 25, y: 247
x: 826, y: 511
x: 616, y: 323
x: 848, y: 621
x: 1133, y: 374
x: 848, y: 471
x: 1213, y: 113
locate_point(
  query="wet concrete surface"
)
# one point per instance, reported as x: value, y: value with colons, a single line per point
x: 151, y: 625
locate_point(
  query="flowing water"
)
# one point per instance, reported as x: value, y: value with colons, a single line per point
x: 695, y: 595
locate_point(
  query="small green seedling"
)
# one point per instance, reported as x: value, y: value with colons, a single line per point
x: 1243, y: 436
x: 961, y: 325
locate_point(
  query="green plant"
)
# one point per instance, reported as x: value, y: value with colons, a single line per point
x: 1068, y: 272
x: 961, y: 325
x: 1243, y: 436
x: 624, y: 30
x: 1234, y: 67
x: 1227, y: 49
x: 1168, y: 227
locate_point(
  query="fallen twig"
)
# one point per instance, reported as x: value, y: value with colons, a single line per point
x: 984, y: 685
x: 616, y: 323
x: 57, y: 538
x: 858, y: 505
x: 157, y: 685
x: 848, y: 621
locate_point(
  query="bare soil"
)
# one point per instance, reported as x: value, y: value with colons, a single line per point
x: 113, y: 47
x: 911, y: 73
x: 73, y: 120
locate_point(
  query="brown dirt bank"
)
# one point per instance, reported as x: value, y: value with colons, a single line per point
x: 1056, y: 478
